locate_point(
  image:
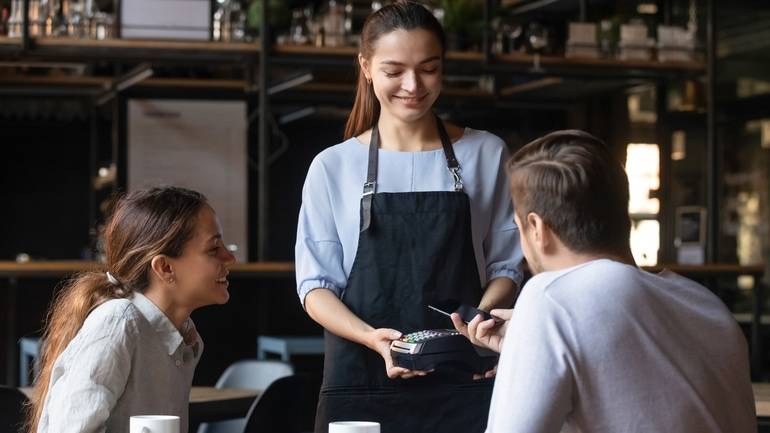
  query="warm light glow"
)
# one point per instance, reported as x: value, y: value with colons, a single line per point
x: 643, y: 170
x: 678, y: 145
x: 645, y: 242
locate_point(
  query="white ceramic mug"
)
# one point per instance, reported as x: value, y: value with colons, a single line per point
x: 353, y: 427
x: 154, y: 424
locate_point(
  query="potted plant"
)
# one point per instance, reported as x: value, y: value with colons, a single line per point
x: 463, y: 23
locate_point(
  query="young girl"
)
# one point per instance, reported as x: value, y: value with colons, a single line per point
x: 121, y: 342
x: 408, y: 211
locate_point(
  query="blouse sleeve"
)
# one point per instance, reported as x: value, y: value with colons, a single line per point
x: 318, y: 251
x: 501, y: 245
x: 82, y: 398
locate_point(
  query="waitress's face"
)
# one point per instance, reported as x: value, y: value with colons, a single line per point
x: 405, y: 70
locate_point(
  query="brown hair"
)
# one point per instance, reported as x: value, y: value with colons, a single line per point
x: 406, y: 15
x: 576, y: 185
x: 143, y: 224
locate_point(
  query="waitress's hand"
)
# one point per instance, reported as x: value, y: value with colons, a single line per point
x: 379, y: 340
x: 485, y: 333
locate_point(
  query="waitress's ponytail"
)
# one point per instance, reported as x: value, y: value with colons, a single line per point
x: 402, y: 14
x: 366, y: 108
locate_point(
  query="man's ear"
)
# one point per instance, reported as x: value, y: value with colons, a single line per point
x: 162, y: 268
x: 364, y: 64
x: 541, y: 232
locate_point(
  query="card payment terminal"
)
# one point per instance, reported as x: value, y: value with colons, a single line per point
x: 439, y: 349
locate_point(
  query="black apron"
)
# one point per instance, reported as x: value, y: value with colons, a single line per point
x: 414, y: 249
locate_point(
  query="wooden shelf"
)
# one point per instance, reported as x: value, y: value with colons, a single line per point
x: 65, y: 267
x: 528, y: 59
x: 171, y: 51
x: 62, y: 268
x: 141, y: 44
x: 713, y: 270
x: 5, y: 40
x: 130, y: 50
x: 288, y: 49
x: 104, y: 82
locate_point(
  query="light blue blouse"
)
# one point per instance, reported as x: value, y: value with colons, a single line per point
x: 328, y: 228
x: 127, y: 359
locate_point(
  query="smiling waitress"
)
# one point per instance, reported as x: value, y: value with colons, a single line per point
x: 407, y: 211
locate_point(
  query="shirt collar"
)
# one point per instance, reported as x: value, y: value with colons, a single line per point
x: 167, y: 332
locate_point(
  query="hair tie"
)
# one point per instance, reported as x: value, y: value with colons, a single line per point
x: 111, y: 278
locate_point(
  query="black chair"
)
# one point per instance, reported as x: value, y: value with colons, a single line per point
x: 288, y: 405
x: 12, y: 403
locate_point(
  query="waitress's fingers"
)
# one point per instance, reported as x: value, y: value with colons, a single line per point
x: 395, y: 372
x: 413, y: 373
x: 387, y: 334
x: 459, y: 324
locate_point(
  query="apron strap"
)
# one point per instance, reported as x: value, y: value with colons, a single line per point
x: 451, y: 161
x: 370, y: 186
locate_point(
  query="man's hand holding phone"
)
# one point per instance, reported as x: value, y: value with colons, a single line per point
x: 484, y: 333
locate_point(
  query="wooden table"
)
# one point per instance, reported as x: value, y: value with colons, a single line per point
x: 212, y: 404
x: 762, y: 399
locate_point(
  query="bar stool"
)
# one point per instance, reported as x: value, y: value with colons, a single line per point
x: 285, y: 346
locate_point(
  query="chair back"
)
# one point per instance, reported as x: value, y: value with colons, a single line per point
x: 246, y: 374
x: 254, y: 374
x: 12, y: 403
x: 287, y: 406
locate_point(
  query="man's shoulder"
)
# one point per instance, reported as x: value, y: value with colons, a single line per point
x: 581, y: 286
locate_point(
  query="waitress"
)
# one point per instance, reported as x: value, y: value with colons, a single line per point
x: 407, y: 211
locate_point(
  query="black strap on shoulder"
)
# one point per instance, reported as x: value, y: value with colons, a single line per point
x: 451, y: 161
x: 370, y: 186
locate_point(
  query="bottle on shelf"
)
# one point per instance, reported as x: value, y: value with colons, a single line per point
x: 4, y: 16
x: 36, y: 17
x: 334, y: 25
x: 218, y: 22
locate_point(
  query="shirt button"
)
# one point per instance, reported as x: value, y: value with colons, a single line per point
x: 178, y: 363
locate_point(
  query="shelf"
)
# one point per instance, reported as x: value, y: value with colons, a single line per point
x: 78, y: 85
x: 66, y: 267
x: 711, y: 270
x: 512, y: 62
x: 48, y: 48
x: 63, y: 268
x: 528, y: 59
x: 70, y: 49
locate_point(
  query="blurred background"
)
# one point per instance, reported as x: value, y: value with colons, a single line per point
x: 235, y: 98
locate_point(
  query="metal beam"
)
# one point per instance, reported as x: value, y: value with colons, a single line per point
x: 712, y: 147
x: 263, y: 187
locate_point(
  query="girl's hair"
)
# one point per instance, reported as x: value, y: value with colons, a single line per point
x: 143, y: 224
x: 405, y: 15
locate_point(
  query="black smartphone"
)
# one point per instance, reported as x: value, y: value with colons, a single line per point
x: 466, y: 312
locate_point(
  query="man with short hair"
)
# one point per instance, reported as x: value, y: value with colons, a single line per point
x: 596, y: 344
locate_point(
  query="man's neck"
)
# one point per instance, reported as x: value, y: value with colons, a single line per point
x: 416, y: 136
x: 566, y: 258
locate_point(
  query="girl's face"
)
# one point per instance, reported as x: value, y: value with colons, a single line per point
x: 405, y: 71
x: 200, y: 272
